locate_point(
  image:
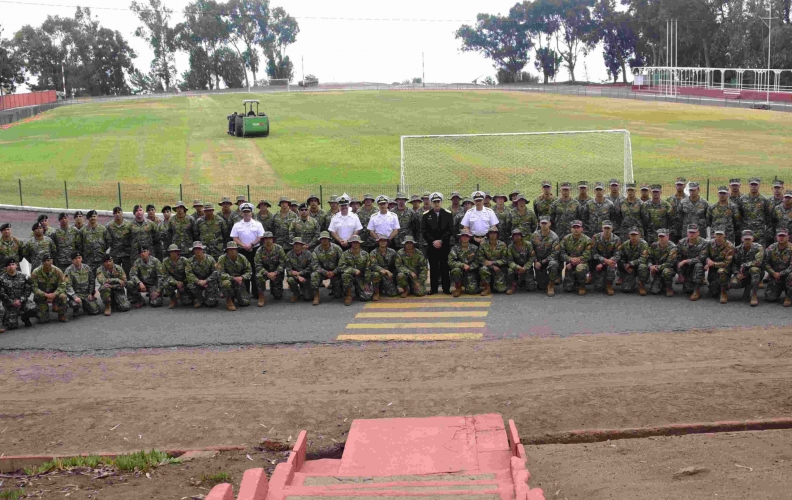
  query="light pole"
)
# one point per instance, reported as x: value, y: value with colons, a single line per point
x: 769, y: 24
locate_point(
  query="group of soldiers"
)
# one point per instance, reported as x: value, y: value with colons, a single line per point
x: 632, y: 241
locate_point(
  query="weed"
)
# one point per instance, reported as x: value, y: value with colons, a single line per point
x: 141, y: 460
x: 216, y: 478
x: 144, y: 461
x: 14, y: 494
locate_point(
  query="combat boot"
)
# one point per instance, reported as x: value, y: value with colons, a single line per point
x: 787, y: 302
x: 293, y: 299
x: 62, y: 317
x: 696, y: 294
x: 761, y: 285
x: 263, y: 299
x: 755, y: 299
x: 641, y: 289
x: 511, y: 289
x: 375, y: 298
x: 198, y: 305
x: 551, y: 289
x: 486, y: 290
x: 582, y: 291
x: 173, y: 303
x: 107, y: 309
x: 609, y: 288
x: 347, y: 299
x: 724, y: 297
x: 315, y: 300
x: 230, y: 304
x: 457, y: 289
x: 669, y: 292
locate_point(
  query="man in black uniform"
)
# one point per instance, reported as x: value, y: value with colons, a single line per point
x: 438, y: 226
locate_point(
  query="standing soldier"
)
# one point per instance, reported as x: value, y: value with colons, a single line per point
x: 734, y: 191
x: 43, y: 219
x: 283, y: 220
x: 314, y: 209
x: 306, y: 228
x: 145, y: 277
x: 112, y: 285
x: 15, y: 291
x: 467, y: 204
x: 778, y: 258
x: 645, y: 197
x: 240, y: 200
x: 504, y: 218
x: 782, y: 214
x: 81, y: 287
x: 464, y: 264
x: 197, y: 210
x: 119, y: 239
x: 10, y: 246
x: 174, y: 278
x: 293, y: 206
x: 437, y: 226
x: 264, y: 216
x: 355, y: 270
x: 513, y: 198
x: 542, y: 205
x: 748, y: 260
x: 773, y: 202
x: 576, y: 254
x: 563, y: 211
x: 720, y: 254
x: 203, y: 279
x: 547, y: 247
x: 694, y: 209
x: 614, y: 195
x: 95, y: 241
x: 521, y: 259
x: 344, y: 224
x: 629, y: 213
x: 182, y: 229
x: 67, y: 239
x: 79, y: 220
x: 778, y: 192
x: 456, y: 200
x: 326, y: 266
x: 230, y: 216
x: 522, y: 217
x: 656, y: 214
x: 235, y: 274
x: 493, y: 259
x: 412, y: 269
x: 675, y: 230
x: 755, y: 211
x: 409, y: 225
x: 597, y: 210
x: 354, y: 206
x: 324, y: 220
x: 383, y: 268
x: 364, y: 214
x: 605, y: 257
x: 663, y: 258
x: 211, y: 231
x: 270, y: 265
x: 692, y: 255
x: 383, y: 222
x: 583, y: 195
x: 38, y: 246
x: 724, y: 213
x: 142, y: 232
x: 49, y: 287
x: 299, y: 266
x: 415, y: 201
x: 635, y: 262
x: 151, y: 214
x: 164, y: 231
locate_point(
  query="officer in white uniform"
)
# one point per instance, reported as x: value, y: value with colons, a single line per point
x: 479, y: 218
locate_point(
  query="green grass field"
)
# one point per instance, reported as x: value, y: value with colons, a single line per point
x: 152, y: 146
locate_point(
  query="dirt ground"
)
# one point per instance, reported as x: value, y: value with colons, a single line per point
x: 54, y: 403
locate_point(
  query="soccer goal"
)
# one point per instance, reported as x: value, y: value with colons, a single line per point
x: 505, y: 162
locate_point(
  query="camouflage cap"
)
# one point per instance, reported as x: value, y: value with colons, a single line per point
x: 324, y: 235
x: 754, y: 180
x: 197, y: 203
x: 401, y: 196
x: 635, y: 230
x: 577, y: 223
x: 733, y: 182
x: 566, y: 185
x: 681, y: 180
x: 197, y: 244
x: 178, y: 204
x: 293, y: 203
x: 231, y: 245
x: 517, y: 230
x: 487, y: 195
x: 408, y: 239
x: 312, y: 197
x: 354, y: 239
x: 514, y: 191
x: 174, y: 248
x: 644, y: 187
x: 778, y: 183
x: 492, y: 229
x: 723, y: 189
x: 607, y: 223
x: 225, y: 200
x: 368, y: 196
x: 332, y: 199
x: 523, y: 198
x: 46, y: 256
x: 415, y: 198
x: 500, y: 195
x: 544, y: 218
x: 382, y: 199
x: 354, y: 200
x: 787, y: 193
x: 613, y: 182
x: 426, y: 194
x: 782, y: 230
x: 208, y: 206
x: 241, y: 199
x: 263, y: 202
x: 455, y: 194
x: 283, y: 199
x: 267, y: 234
x: 381, y: 237
x: 630, y: 185
x: 656, y: 187
x: 719, y: 230
x: 598, y: 185
x: 298, y: 241
x: 662, y: 232
x: 550, y: 184
x: 583, y: 184
x: 693, y: 185
x: 466, y: 200
x: 747, y: 233
x: 464, y: 232
x: 692, y: 228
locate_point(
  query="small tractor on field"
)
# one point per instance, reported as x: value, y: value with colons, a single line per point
x: 249, y: 124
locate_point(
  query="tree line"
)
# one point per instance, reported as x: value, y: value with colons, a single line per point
x: 223, y: 42
x: 711, y: 33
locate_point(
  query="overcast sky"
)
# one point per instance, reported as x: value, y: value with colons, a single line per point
x: 333, y: 49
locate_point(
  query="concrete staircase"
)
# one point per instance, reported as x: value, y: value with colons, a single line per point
x: 438, y: 458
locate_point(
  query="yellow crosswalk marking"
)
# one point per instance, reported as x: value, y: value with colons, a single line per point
x: 412, y: 337
x: 394, y: 326
x: 422, y: 314
x: 424, y: 305
x: 439, y: 296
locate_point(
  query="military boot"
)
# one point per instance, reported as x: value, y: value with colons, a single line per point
x: 696, y: 294
x: 375, y: 298
x: 197, y: 305
x: 609, y: 288
x: 669, y: 292
x: 230, y: 304
x: 347, y: 299
x: 787, y: 302
x: 107, y: 309
x: 551, y: 289
x: 582, y: 291
x: 262, y: 301
x: 511, y: 289
x: 62, y: 317
x: 173, y: 303
x: 485, y: 289
x: 315, y: 300
x: 457, y: 289
x: 754, y: 298
x: 293, y: 299
x: 641, y: 289
x: 724, y: 297
x: 405, y: 293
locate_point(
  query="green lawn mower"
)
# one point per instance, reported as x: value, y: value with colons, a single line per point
x: 251, y: 123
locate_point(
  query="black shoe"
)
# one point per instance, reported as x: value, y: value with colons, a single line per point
x: 431, y: 292
x: 27, y: 322
x: 447, y: 292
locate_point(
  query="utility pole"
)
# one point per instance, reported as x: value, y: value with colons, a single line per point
x: 423, y: 70
x: 63, y: 75
x: 769, y: 25
x: 302, y: 63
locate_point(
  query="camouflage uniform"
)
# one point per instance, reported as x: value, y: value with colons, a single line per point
x: 323, y: 222
x: 182, y: 232
x: 12, y: 248
x: 406, y: 264
x: 324, y: 261
x: 527, y: 221
x: 163, y: 229
x: 364, y: 215
x: 562, y: 213
x: 307, y: 229
x: 34, y: 249
x: 270, y: 261
x: 694, y: 212
x: 317, y: 216
x: 16, y: 287
x: 457, y: 258
x: 629, y: 213
x: 66, y: 242
x: 172, y: 274
x: 150, y: 274
x: 303, y: 264
x: 387, y: 262
x: 666, y: 261
x: 755, y: 213
x: 637, y: 256
x: 457, y: 226
x: 229, y: 269
x: 719, y: 274
x: 782, y: 217
x: 601, y: 250
x: 119, y: 241
x: 677, y: 229
x: 504, y: 224
x: 81, y: 283
x: 594, y: 213
x: 778, y: 260
x: 361, y: 284
x: 772, y: 223
x: 143, y: 235
x: 409, y: 225
x: 726, y: 216
x: 542, y: 206
x: 656, y: 216
x: 281, y: 232
x: 48, y: 282
x: 212, y: 233
x: 547, y: 249
x: 693, y: 273
x: 111, y: 288
x: 524, y: 256
x: 95, y: 243
x: 204, y: 270
x: 266, y: 221
x: 581, y: 249
x: 748, y: 263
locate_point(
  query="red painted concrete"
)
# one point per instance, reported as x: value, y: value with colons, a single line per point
x: 254, y: 485
x: 749, y: 95
x: 221, y: 492
x: 29, y: 99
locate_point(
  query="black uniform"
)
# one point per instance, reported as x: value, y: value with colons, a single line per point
x: 438, y: 226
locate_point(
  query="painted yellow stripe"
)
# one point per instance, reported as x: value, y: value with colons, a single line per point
x: 412, y: 337
x: 423, y: 314
x: 424, y: 305
x: 438, y: 296
x: 394, y: 326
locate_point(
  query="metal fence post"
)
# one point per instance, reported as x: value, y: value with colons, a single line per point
x: 119, y: 194
x: 181, y: 193
x: 708, y: 183
x: 20, y: 194
x: 321, y: 196
x: 477, y: 187
x: 556, y: 188
x: 248, y: 192
x: 66, y: 193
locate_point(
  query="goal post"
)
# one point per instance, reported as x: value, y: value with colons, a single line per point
x: 513, y: 161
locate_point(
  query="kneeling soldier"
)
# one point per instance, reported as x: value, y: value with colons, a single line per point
x: 412, y: 269
x: 145, y: 277
x: 235, y: 273
x: 299, y: 266
x: 174, y: 278
x: 49, y: 287
x: 547, y: 247
x: 521, y: 258
x: 15, y: 290
x: 270, y: 261
x: 383, y: 268
x: 605, y: 257
x: 748, y: 259
x: 81, y: 286
x: 493, y: 255
x: 112, y: 286
x: 576, y: 254
x: 692, y: 254
x: 662, y: 264
x: 327, y: 258
x: 777, y: 264
x: 720, y: 254
x: 635, y: 262
x: 464, y: 265
x: 203, y: 279
x: 355, y: 267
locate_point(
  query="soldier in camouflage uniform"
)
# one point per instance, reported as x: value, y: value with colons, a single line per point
x: 293, y: 205
x: 692, y: 255
x: 456, y: 203
x: 467, y: 204
x: 270, y: 262
x: 542, y: 205
x: 10, y: 246
x: 663, y: 257
x: 235, y: 274
x: 163, y: 229
x: 49, y: 287
x: 748, y: 260
x: 119, y: 239
x: 231, y: 217
x: 326, y: 262
x: 629, y: 210
x: 197, y: 210
x: 81, y: 287
x: 774, y: 201
x: 418, y: 210
x: 412, y: 269
x: 576, y: 254
x: 142, y: 232
x: 597, y: 210
x: 409, y: 223
x: 112, y: 285
x: 503, y: 214
x: 355, y: 270
x: 547, y: 247
x: 778, y: 264
x: 676, y: 231
x: 68, y: 240
x: 314, y: 207
x: 521, y: 259
x: 37, y: 246
x: 462, y: 260
x: 182, y: 229
x: 306, y: 228
x: 724, y: 213
x: 614, y: 196
x: 493, y: 259
x: 211, y: 231
x: 383, y: 268
x: 95, y: 241
x: 145, y: 277
x: 645, y: 197
x: 635, y: 262
x: 324, y: 221
x: 523, y: 217
x: 15, y: 291
x: 563, y: 211
x: 174, y: 278
x: 364, y: 213
x: 656, y: 214
x: 782, y: 213
x: 203, y: 278
x: 583, y: 196
x: 734, y: 192
x: 263, y: 216
x: 43, y: 219
x: 755, y: 211
x: 719, y: 255
x: 299, y: 266
x: 605, y: 257
x: 283, y: 220
x: 694, y: 209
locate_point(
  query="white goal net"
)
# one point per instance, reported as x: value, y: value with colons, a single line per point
x: 517, y: 161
